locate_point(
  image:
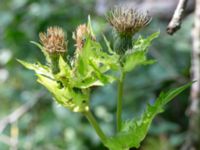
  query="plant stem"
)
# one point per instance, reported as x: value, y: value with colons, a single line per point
x: 119, y: 101
x: 95, y: 125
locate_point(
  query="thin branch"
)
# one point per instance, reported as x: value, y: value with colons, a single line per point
x: 14, y: 116
x: 175, y: 23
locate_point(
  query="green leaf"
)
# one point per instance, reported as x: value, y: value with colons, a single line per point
x: 38, y: 68
x: 64, y: 67
x: 141, y: 44
x: 76, y: 100
x: 137, y: 55
x: 65, y: 75
x: 134, y: 59
x: 82, y: 64
x: 88, y: 82
x: 101, y: 76
x: 92, y: 66
x: 134, y: 131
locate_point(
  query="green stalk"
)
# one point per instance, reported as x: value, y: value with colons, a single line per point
x: 119, y: 101
x: 95, y: 125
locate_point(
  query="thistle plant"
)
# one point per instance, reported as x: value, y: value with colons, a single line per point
x: 70, y: 78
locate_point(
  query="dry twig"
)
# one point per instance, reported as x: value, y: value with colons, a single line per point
x: 175, y: 23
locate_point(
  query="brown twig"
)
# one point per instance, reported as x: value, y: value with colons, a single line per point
x: 175, y: 23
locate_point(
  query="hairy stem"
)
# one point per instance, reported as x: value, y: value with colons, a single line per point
x: 119, y: 101
x: 95, y: 125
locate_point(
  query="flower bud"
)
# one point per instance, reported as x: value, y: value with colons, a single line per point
x: 80, y: 36
x: 127, y: 21
x: 54, y: 40
x: 55, y: 45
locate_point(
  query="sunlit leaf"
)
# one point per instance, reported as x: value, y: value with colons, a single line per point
x: 38, y: 68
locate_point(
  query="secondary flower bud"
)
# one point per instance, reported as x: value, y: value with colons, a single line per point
x: 80, y: 35
x: 54, y: 44
x: 127, y: 21
x: 54, y: 40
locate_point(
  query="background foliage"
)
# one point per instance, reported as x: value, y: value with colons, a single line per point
x: 47, y: 126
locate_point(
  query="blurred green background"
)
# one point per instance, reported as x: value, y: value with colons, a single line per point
x: 48, y: 126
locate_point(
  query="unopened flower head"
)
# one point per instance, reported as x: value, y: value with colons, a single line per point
x: 80, y: 35
x: 54, y: 40
x: 126, y: 20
